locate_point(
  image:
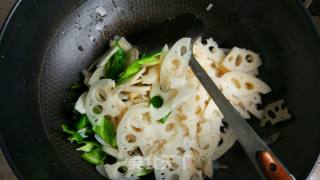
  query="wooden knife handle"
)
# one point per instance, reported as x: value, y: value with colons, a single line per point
x: 272, y: 169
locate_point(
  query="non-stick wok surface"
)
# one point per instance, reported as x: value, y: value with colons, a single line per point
x: 45, y: 44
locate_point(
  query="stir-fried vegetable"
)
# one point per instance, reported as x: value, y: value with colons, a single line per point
x: 164, y: 119
x: 156, y: 101
x: 93, y: 153
x: 116, y: 64
x: 95, y: 156
x: 75, y: 136
x: 83, y: 133
x: 137, y: 65
x: 88, y: 146
x: 106, y: 131
x: 83, y: 122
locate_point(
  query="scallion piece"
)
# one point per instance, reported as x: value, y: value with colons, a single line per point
x: 104, y: 128
x: 116, y: 64
x: 137, y: 65
x: 164, y: 119
x: 88, y: 146
x: 156, y: 101
x: 95, y: 156
x: 83, y: 122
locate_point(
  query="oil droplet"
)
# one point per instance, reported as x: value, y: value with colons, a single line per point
x: 80, y: 48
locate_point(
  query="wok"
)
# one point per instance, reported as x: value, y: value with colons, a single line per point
x: 45, y: 44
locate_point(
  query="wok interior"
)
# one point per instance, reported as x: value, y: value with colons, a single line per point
x: 83, y: 35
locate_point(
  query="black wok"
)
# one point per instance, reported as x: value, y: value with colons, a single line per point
x: 45, y: 44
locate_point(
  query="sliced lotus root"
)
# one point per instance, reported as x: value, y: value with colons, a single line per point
x: 226, y: 142
x: 133, y: 55
x: 239, y: 84
x: 212, y: 110
x: 100, y: 72
x: 251, y: 102
x: 114, y: 170
x: 81, y: 103
x: 181, y: 168
x: 207, y: 53
x: 190, y: 172
x: 160, y: 112
x: 241, y: 60
x: 151, y: 75
x: 171, y: 170
x: 275, y: 113
x: 124, y: 44
x: 171, y: 99
x: 208, y: 137
x: 134, y: 130
x: 208, y: 168
x: 125, y: 169
x: 175, y: 64
x: 102, y: 101
x: 254, y: 72
x: 236, y: 102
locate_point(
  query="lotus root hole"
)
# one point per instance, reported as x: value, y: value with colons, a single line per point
x: 131, y: 138
x: 249, y: 58
x: 136, y: 129
x: 97, y: 109
x: 181, y: 117
x: 173, y: 92
x: 122, y: 169
x: 183, y: 50
x: 176, y: 64
x: 198, y: 128
x: 249, y: 85
x: 204, y: 41
x: 271, y: 114
x: 212, y: 49
x: 101, y: 95
x: 198, y: 110
x: 220, y: 142
x: 169, y: 127
x: 236, y: 83
x: 238, y: 60
x: 146, y: 116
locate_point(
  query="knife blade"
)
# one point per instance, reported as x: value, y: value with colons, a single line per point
x: 263, y: 159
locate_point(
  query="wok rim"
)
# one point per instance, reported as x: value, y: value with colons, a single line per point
x: 4, y: 150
